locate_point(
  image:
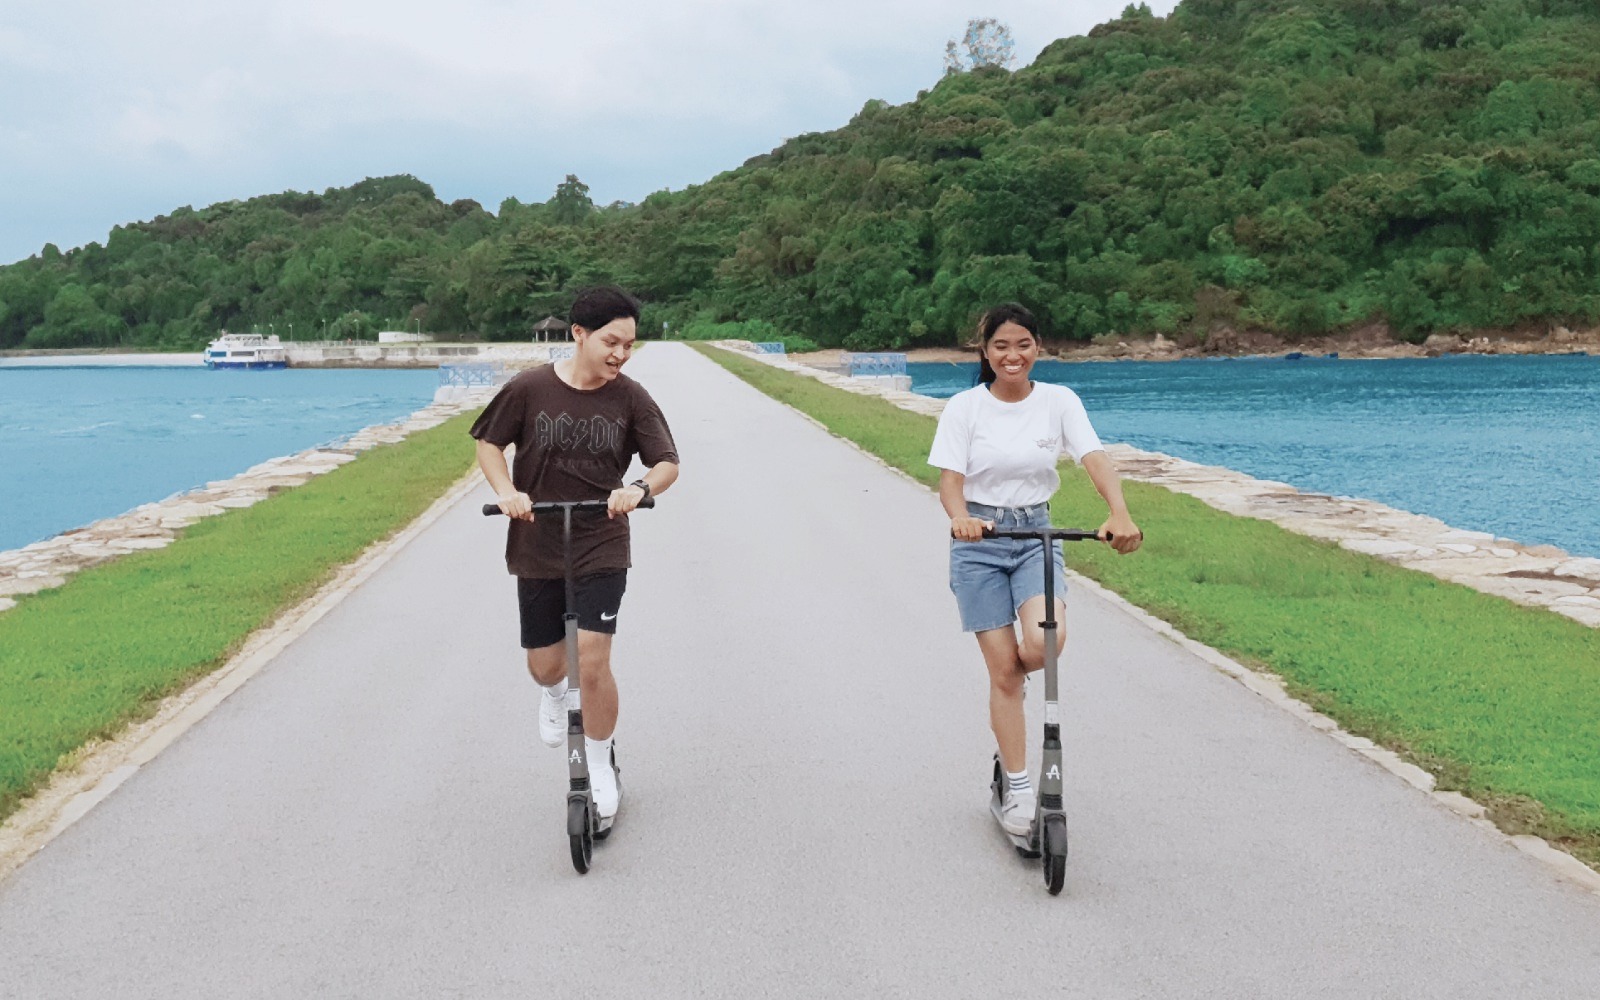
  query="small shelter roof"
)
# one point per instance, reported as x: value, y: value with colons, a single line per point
x: 549, y: 324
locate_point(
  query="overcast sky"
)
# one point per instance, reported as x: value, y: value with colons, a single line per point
x: 112, y: 111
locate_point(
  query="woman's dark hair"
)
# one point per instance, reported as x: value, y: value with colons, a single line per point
x: 994, y: 319
x: 595, y: 307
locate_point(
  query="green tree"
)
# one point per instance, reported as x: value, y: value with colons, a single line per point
x: 571, y: 204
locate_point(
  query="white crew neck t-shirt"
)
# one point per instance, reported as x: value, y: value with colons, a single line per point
x: 1008, y: 451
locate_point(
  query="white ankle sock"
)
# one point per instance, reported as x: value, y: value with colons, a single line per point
x: 599, y: 751
x: 558, y: 690
x: 1018, y: 784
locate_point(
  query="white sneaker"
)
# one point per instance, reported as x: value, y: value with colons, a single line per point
x: 1016, y: 812
x: 603, y: 786
x: 552, y: 719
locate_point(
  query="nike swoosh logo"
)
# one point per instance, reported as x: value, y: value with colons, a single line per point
x: 606, y: 618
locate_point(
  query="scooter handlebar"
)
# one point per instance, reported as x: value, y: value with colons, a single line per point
x: 493, y: 509
x: 1060, y: 534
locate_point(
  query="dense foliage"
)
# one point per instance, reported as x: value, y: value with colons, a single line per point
x: 1294, y: 165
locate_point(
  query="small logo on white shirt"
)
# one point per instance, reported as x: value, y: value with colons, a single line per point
x: 1048, y: 444
x: 606, y: 618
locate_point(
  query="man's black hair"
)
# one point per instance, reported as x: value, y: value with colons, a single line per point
x: 595, y: 307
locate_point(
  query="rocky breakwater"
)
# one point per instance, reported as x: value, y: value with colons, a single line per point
x: 47, y: 564
x: 1535, y: 575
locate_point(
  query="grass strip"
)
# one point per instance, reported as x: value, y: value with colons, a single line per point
x: 79, y: 662
x: 1499, y: 701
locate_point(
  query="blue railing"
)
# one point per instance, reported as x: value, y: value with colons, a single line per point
x: 876, y: 364
x: 770, y: 347
x: 561, y: 352
x: 481, y: 373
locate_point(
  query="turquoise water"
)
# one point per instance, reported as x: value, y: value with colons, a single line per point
x: 79, y: 444
x: 1509, y: 445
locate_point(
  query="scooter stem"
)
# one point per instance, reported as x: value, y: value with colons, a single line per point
x: 1050, y: 797
x: 577, y: 756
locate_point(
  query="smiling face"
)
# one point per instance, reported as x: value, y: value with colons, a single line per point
x: 602, y: 353
x: 1011, y: 351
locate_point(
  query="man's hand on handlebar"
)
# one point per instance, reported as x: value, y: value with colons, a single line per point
x: 517, y: 505
x: 969, y: 529
x: 623, y: 500
x: 1122, y: 534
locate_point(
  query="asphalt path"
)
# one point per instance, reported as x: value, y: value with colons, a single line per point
x: 805, y: 762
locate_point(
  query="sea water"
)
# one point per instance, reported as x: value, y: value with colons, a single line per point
x: 1506, y: 444
x: 80, y: 444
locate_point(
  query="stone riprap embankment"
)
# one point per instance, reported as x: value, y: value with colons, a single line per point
x: 1538, y: 575
x: 49, y: 563
x: 332, y: 354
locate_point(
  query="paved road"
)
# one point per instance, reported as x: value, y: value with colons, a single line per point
x: 805, y: 756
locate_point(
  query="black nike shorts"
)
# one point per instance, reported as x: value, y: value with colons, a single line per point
x: 543, y: 602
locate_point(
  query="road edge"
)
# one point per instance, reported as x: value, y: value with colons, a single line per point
x: 92, y: 773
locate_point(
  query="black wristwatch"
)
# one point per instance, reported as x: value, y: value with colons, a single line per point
x: 643, y: 486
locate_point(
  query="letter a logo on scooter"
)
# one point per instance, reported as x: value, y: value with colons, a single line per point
x: 576, y: 758
x: 1055, y: 773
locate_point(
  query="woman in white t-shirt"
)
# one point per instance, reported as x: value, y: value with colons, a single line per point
x: 998, y: 444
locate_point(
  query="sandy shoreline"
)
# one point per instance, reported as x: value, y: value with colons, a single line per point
x: 56, y: 359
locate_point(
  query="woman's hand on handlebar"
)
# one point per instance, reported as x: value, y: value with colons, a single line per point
x: 623, y: 500
x: 1123, y: 534
x: 517, y: 505
x: 969, y: 529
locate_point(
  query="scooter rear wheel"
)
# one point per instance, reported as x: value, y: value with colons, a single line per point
x: 582, y: 844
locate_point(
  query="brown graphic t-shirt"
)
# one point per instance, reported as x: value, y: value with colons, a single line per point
x: 572, y: 444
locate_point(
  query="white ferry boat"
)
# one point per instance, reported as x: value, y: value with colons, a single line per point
x: 246, y: 350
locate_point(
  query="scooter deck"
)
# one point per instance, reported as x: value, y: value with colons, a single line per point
x: 1025, y: 843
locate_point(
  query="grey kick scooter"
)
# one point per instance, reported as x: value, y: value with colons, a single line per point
x: 584, y: 825
x: 1047, y: 834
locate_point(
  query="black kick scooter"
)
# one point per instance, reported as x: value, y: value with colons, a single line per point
x: 1047, y: 834
x: 584, y: 825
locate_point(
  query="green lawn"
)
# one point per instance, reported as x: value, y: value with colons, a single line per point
x: 79, y: 662
x: 1500, y: 701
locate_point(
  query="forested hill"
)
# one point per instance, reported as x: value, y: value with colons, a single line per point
x: 1295, y: 165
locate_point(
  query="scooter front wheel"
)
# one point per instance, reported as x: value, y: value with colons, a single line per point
x: 580, y: 836
x: 1053, y: 845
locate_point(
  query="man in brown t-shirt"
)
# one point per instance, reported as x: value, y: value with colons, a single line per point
x: 577, y: 424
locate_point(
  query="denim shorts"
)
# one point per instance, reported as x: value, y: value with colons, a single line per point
x: 993, y: 577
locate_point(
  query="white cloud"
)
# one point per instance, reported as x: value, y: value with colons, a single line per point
x: 117, y: 107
